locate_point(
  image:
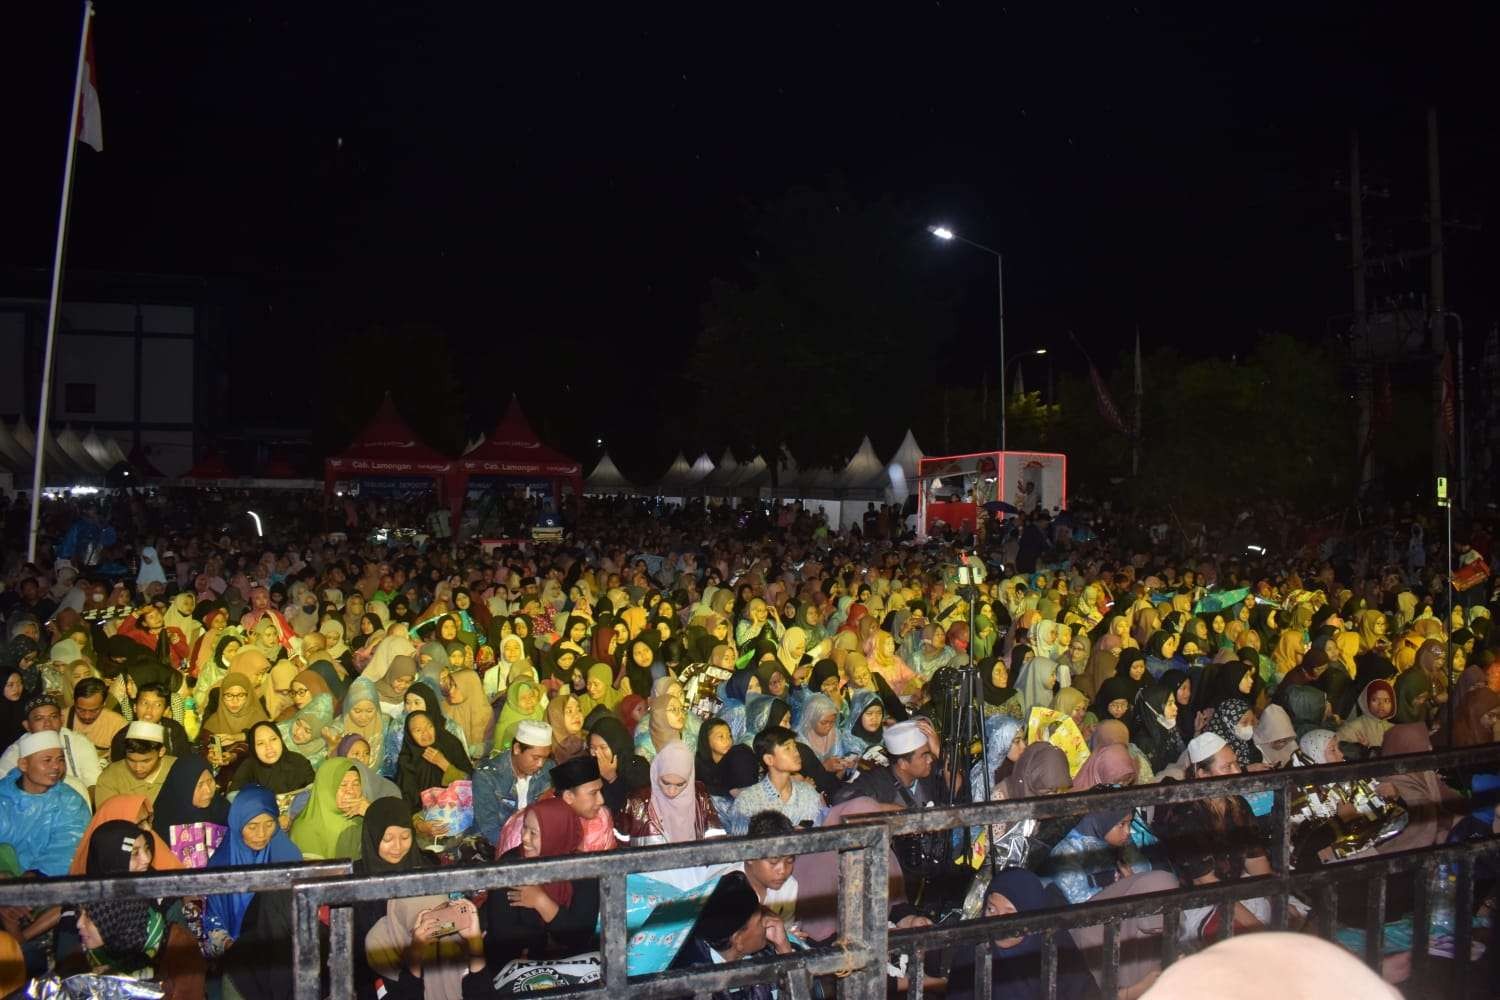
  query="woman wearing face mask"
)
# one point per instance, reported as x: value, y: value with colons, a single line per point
x: 1234, y: 723
x: 1154, y: 725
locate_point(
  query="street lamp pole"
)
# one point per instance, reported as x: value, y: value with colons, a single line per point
x: 947, y: 235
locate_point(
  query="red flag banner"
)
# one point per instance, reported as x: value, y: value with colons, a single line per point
x: 90, y: 128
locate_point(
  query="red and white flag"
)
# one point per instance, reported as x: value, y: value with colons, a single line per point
x: 90, y: 129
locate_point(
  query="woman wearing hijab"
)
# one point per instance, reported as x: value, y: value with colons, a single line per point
x: 884, y: 661
x: 675, y: 809
x: 188, y: 795
x: 1100, y: 665
x: 12, y: 697
x: 1276, y: 736
x: 399, y: 675
x: 1374, y: 714
x: 330, y: 826
x: 621, y: 768
x: 431, y: 757
x: 999, y: 697
x: 126, y: 936
x: 1154, y: 728
x: 600, y: 689
x: 1414, y: 697
x: 225, y: 733
x: 819, y: 731
x: 1097, y: 861
x: 666, y: 721
x: 865, y: 726
x: 131, y: 809
x: 468, y: 706
x: 715, y: 741
x: 1234, y: 723
x: 254, y: 838
x: 1016, y: 962
x: 566, y: 721
x: 1109, y: 765
x: 271, y: 765
x: 362, y: 717
x: 1037, y: 680
x: 388, y: 844
x: 555, y: 918
x: 303, y: 732
x: 524, y: 702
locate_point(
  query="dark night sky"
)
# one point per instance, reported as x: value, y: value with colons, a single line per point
x: 581, y: 176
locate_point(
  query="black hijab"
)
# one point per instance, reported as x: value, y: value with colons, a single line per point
x: 12, y: 713
x: 290, y: 772
x: 379, y: 817
x: 993, y: 695
x: 706, y: 769
x: 632, y: 771
x: 174, y: 803
x: 414, y: 773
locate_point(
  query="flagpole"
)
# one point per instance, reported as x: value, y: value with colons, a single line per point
x: 1135, y: 439
x: 57, y: 269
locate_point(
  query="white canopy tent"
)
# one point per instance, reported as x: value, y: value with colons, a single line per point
x: 678, y: 477
x: 903, y: 468
x: 718, y: 482
x: 606, y: 478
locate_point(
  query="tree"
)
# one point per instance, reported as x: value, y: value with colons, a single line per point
x: 830, y: 332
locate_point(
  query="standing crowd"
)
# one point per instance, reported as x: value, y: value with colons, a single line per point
x: 670, y: 676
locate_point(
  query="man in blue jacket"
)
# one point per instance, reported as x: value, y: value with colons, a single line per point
x: 41, y: 818
x: 512, y: 779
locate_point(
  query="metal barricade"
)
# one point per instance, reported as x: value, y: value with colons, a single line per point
x: 862, y: 846
x: 863, y: 908
x: 1323, y: 881
x: 157, y: 885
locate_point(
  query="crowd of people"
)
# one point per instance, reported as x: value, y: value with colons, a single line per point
x: 190, y: 696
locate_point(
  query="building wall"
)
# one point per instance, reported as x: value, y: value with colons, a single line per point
x: 127, y: 364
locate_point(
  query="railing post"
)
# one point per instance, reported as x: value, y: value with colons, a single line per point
x: 616, y: 971
x: 341, y: 947
x: 1281, y: 853
x: 307, y: 964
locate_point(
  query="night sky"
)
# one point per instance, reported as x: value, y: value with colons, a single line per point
x: 575, y: 178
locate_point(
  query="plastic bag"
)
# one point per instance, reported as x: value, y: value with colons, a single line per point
x: 91, y: 987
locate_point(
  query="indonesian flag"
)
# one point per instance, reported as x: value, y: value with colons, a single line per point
x: 90, y: 129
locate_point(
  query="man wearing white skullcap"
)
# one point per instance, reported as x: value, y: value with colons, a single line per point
x: 41, y: 818
x: 907, y: 781
x: 513, y: 779
x: 1215, y: 839
x: 144, y: 768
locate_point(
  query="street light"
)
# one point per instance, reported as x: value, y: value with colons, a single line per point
x: 948, y: 235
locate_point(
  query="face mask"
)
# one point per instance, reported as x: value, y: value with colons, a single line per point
x: 1244, y: 732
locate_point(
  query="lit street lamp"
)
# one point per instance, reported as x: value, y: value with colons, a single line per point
x: 948, y: 235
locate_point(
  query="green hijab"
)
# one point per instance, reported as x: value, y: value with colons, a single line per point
x: 511, y: 715
x: 1409, y: 687
x: 321, y: 829
x: 600, y: 672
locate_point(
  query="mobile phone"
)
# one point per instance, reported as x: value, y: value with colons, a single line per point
x: 449, y: 917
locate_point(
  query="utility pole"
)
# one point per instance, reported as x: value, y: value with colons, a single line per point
x: 1436, y: 304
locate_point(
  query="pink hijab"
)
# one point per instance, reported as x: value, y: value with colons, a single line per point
x: 678, y: 816
x: 1109, y: 765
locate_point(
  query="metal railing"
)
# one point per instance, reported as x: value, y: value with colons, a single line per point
x: 862, y: 846
x: 863, y: 909
x: 34, y: 892
x: 1278, y: 886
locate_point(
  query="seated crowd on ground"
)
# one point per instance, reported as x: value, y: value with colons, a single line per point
x: 196, y: 700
